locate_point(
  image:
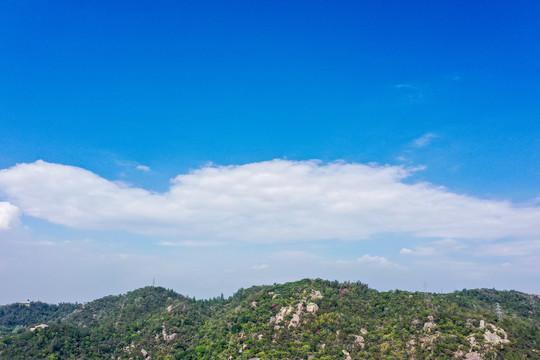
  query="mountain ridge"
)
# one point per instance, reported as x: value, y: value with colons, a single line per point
x: 306, y: 319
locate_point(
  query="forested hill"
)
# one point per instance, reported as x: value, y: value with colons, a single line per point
x: 308, y: 319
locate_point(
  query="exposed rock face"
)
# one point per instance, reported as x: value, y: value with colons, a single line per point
x: 253, y: 304
x: 281, y: 314
x: 359, y: 340
x: 316, y: 294
x: 494, y: 338
x: 363, y: 331
x: 312, y: 307
x: 472, y: 341
x: 169, y: 308
x: 166, y: 336
x: 41, y: 326
x: 473, y: 356
x: 482, y: 324
x: 295, y: 320
x: 129, y: 347
x: 296, y: 316
x: 428, y: 326
x: 145, y: 354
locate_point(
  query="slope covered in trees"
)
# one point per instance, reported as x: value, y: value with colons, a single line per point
x: 308, y: 319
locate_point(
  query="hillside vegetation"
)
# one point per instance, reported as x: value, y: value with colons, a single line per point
x: 308, y: 319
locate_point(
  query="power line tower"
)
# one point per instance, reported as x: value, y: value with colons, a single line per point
x: 427, y: 296
x: 499, y: 312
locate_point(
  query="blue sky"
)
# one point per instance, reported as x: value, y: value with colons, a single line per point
x: 397, y: 144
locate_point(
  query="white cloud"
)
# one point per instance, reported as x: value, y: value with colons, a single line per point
x: 424, y: 140
x: 9, y: 215
x: 143, y: 168
x: 260, y: 267
x: 406, y: 251
x: 294, y: 255
x: 268, y: 201
x: 44, y: 243
x: 511, y: 248
x: 377, y: 261
x: 433, y: 248
x: 190, y: 243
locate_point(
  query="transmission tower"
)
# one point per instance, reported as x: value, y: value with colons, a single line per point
x: 499, y: 312
x: 427, y: 296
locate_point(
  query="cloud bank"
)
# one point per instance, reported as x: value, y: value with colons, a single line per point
x: 268, y: 201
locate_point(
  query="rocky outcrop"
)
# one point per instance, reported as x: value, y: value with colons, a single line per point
x: 145, y: 354
x: 296, y: 317
x: 359, y: 340
x: 428, y: 326
x: 495, y: 336
x: 167, y: 337
x: 473, y: 356
x: 41, y: 326
x: 281, y: 315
